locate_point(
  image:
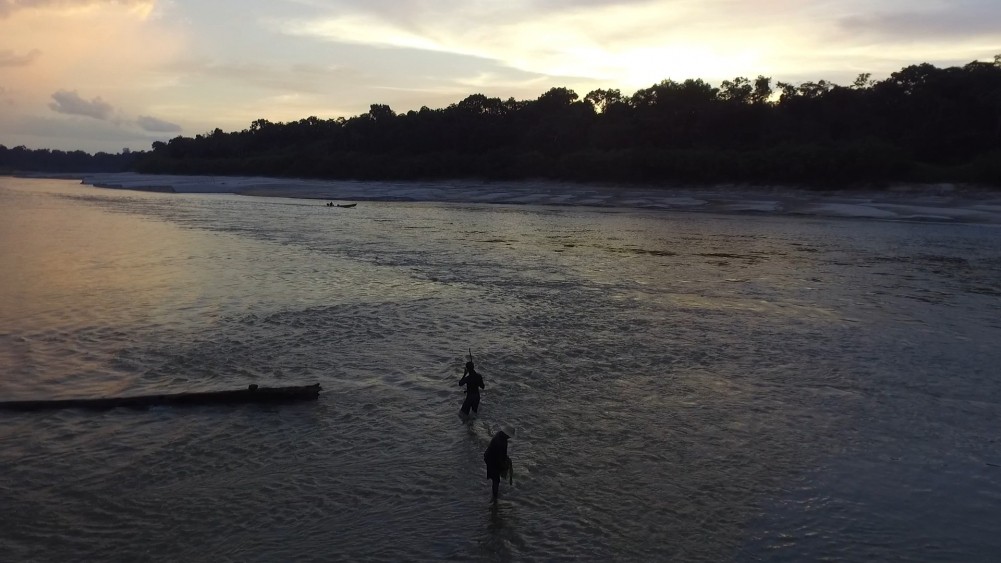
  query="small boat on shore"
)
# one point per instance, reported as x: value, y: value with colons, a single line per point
x: 252, y: 394
x: 346, y: 205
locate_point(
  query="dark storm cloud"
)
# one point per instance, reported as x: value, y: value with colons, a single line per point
x: 154, y: 125
x: 71, y: 103
x: 961, y: 20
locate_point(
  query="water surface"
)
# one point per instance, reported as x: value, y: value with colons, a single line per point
x: 680, y: 386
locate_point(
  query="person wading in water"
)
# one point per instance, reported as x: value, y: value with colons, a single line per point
x: 498, y: 463
x: 473, y: 382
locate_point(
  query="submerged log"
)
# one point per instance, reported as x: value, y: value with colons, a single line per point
x: 252, y: 394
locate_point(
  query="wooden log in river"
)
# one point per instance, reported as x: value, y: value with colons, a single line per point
x: 252, y: 394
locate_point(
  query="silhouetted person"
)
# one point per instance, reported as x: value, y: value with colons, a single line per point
x: 473, y: 382
x: 498, y: 463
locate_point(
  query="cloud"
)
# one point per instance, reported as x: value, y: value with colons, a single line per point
x: 8, y: 7
x: 155, y: 125
x: 635, y: 43
x: 54, y: 132
x: 10, y: 58
x: 301, y: 77
x: 205, y: 65
x: 628, y: 43
x: 980, y: 19
x: 71, y: 103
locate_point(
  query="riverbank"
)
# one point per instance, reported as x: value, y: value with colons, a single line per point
x: 935, y: 203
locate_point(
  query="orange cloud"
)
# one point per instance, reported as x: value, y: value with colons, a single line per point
x: 9, y: 7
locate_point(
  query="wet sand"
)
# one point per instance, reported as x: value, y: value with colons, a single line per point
x: 944, y: 203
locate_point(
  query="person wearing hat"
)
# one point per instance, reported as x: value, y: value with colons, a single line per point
x: 498, y: 463
x: 473, y: 382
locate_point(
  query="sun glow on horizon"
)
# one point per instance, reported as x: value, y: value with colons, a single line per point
x: 621, y: 46
x: 202, y: 66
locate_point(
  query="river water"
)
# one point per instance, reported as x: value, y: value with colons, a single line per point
x: 680, y: 386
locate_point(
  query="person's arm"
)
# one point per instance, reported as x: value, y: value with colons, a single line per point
x: 481, y: 383
x: 463, y: 380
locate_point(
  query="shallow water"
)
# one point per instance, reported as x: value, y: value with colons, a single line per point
x: 681, y: 386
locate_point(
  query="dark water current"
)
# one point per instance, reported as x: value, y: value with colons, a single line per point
x: 686, y: 387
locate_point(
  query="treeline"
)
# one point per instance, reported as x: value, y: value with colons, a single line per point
x: 22, y: 159
x: 921, y: 124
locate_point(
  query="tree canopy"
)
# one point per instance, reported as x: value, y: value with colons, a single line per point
x: 921, y: 123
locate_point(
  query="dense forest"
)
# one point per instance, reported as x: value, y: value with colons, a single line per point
x: 21, y: 159
x: 921, y: 124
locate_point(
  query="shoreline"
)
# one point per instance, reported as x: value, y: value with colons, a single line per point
x: 936, y: 203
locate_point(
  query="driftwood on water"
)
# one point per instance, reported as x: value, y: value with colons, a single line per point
x: 252, y: 394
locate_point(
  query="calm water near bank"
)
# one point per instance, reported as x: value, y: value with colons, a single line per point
x: 691, y: 387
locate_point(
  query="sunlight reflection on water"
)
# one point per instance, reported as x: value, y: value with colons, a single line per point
x: 684, y: 387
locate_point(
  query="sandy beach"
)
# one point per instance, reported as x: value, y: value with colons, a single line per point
x: 944, y: 203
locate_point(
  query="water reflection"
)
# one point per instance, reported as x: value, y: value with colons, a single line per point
x: 501, y: 541
x: 678, y: 378
x: 48, y: 277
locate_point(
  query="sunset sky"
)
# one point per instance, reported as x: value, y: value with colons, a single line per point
x: 103, y: 75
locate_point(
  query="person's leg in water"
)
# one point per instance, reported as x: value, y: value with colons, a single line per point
x: 467, y: 404
x: 471, y: 402
x: 494, y: 474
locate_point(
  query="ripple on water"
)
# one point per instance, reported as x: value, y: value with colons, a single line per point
x: 681, y: 388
